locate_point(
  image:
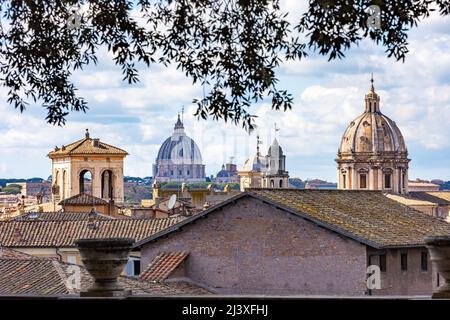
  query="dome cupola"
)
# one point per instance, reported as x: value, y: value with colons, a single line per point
x: 372, y: 153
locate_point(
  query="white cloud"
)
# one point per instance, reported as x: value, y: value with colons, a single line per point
x: 415, y: 94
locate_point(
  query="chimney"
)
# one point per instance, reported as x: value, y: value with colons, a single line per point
x: 96, y: 143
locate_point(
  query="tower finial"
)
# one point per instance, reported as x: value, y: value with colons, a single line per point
x: 87, y: 134
x: 371, y: 80
x: 182, y: 114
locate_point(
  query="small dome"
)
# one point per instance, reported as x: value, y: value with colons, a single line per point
x: 224, y: 173
x: 253, y: 164
x: 372, y: 131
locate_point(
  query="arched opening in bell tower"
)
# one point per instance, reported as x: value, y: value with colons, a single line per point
x: 86, y: 182
x: 107, y: 185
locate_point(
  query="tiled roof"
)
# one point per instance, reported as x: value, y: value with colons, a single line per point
x: 441, y: 194
x: 64, y: 233
x: 7, y: 253
x: 163, y: 265
x: 365, y: 216
x: 86, y: 147
x: 409, y: 201
x: 43, y: 276
x: 83, y: 199
x: 438, y: 197
x: 58, y: 216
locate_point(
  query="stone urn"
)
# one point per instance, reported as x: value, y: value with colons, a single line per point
x: 105, y: 260
x: 439, y: 248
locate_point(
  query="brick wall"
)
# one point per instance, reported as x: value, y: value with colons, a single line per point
x: 252, y: 248
x: 413, y: 281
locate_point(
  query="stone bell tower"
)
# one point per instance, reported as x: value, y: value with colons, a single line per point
x: 88, y: 166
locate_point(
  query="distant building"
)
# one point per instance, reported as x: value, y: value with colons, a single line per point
x: 179, y: 158
x: 422, y: 185
x: 320, y: 184
x: 296, y: 183
x: 265, y: 171
x: 373, y: 154
x: 32, y: 189
x: 228, y: 174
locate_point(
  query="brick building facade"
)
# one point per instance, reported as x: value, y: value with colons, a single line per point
x: 252, y: 244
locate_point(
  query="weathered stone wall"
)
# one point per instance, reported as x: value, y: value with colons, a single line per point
x: 252, y: 248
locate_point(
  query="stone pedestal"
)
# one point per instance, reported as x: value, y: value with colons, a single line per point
x: 105, y: 259
x: 439, y: 248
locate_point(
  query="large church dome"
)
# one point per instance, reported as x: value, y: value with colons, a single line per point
x: 179, y: 158
x: 372, y: 132
x: 373, y: 154
x: 179, y: 147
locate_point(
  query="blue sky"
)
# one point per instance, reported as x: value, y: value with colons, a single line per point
x: 327, y: 97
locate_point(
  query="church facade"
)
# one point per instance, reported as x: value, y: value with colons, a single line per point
x: 179, y: 158
x: 373, y: 153
x: 265, y: 171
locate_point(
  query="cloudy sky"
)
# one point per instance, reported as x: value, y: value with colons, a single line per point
x: 328, y: 95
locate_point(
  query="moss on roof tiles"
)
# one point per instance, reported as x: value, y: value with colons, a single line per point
x: 369, y: 215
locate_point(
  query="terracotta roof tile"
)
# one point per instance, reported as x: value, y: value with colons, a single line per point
x: 367, y: 215
x: 438, y: 197
x: 63, y: 233
x: 83, y: 199
x: 7, y: 253
x: 408, y: 200
x: 42, y: 276
x: 86, y: 147
x: 163, y: 265
x: 58, y: 216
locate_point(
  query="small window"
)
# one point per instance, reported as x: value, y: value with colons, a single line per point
x: 363, y: 181
x: 188, y: 172
x: 171, y: 172
x: 281, y: 183
x: 179, y: 172
x: 404, y: 261
x: 387, y: 181
x: 344, y: 181
x: 72, y: 259
x: 383, y: 262
x: 424, y: 261
x: 403, y: 180
x: 137, y: 267
x: 272, y: 184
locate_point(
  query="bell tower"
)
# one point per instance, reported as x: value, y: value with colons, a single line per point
x: 88, y: 166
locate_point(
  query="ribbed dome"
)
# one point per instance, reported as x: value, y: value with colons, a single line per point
x: 372, y: 132
x: 179, y: 148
